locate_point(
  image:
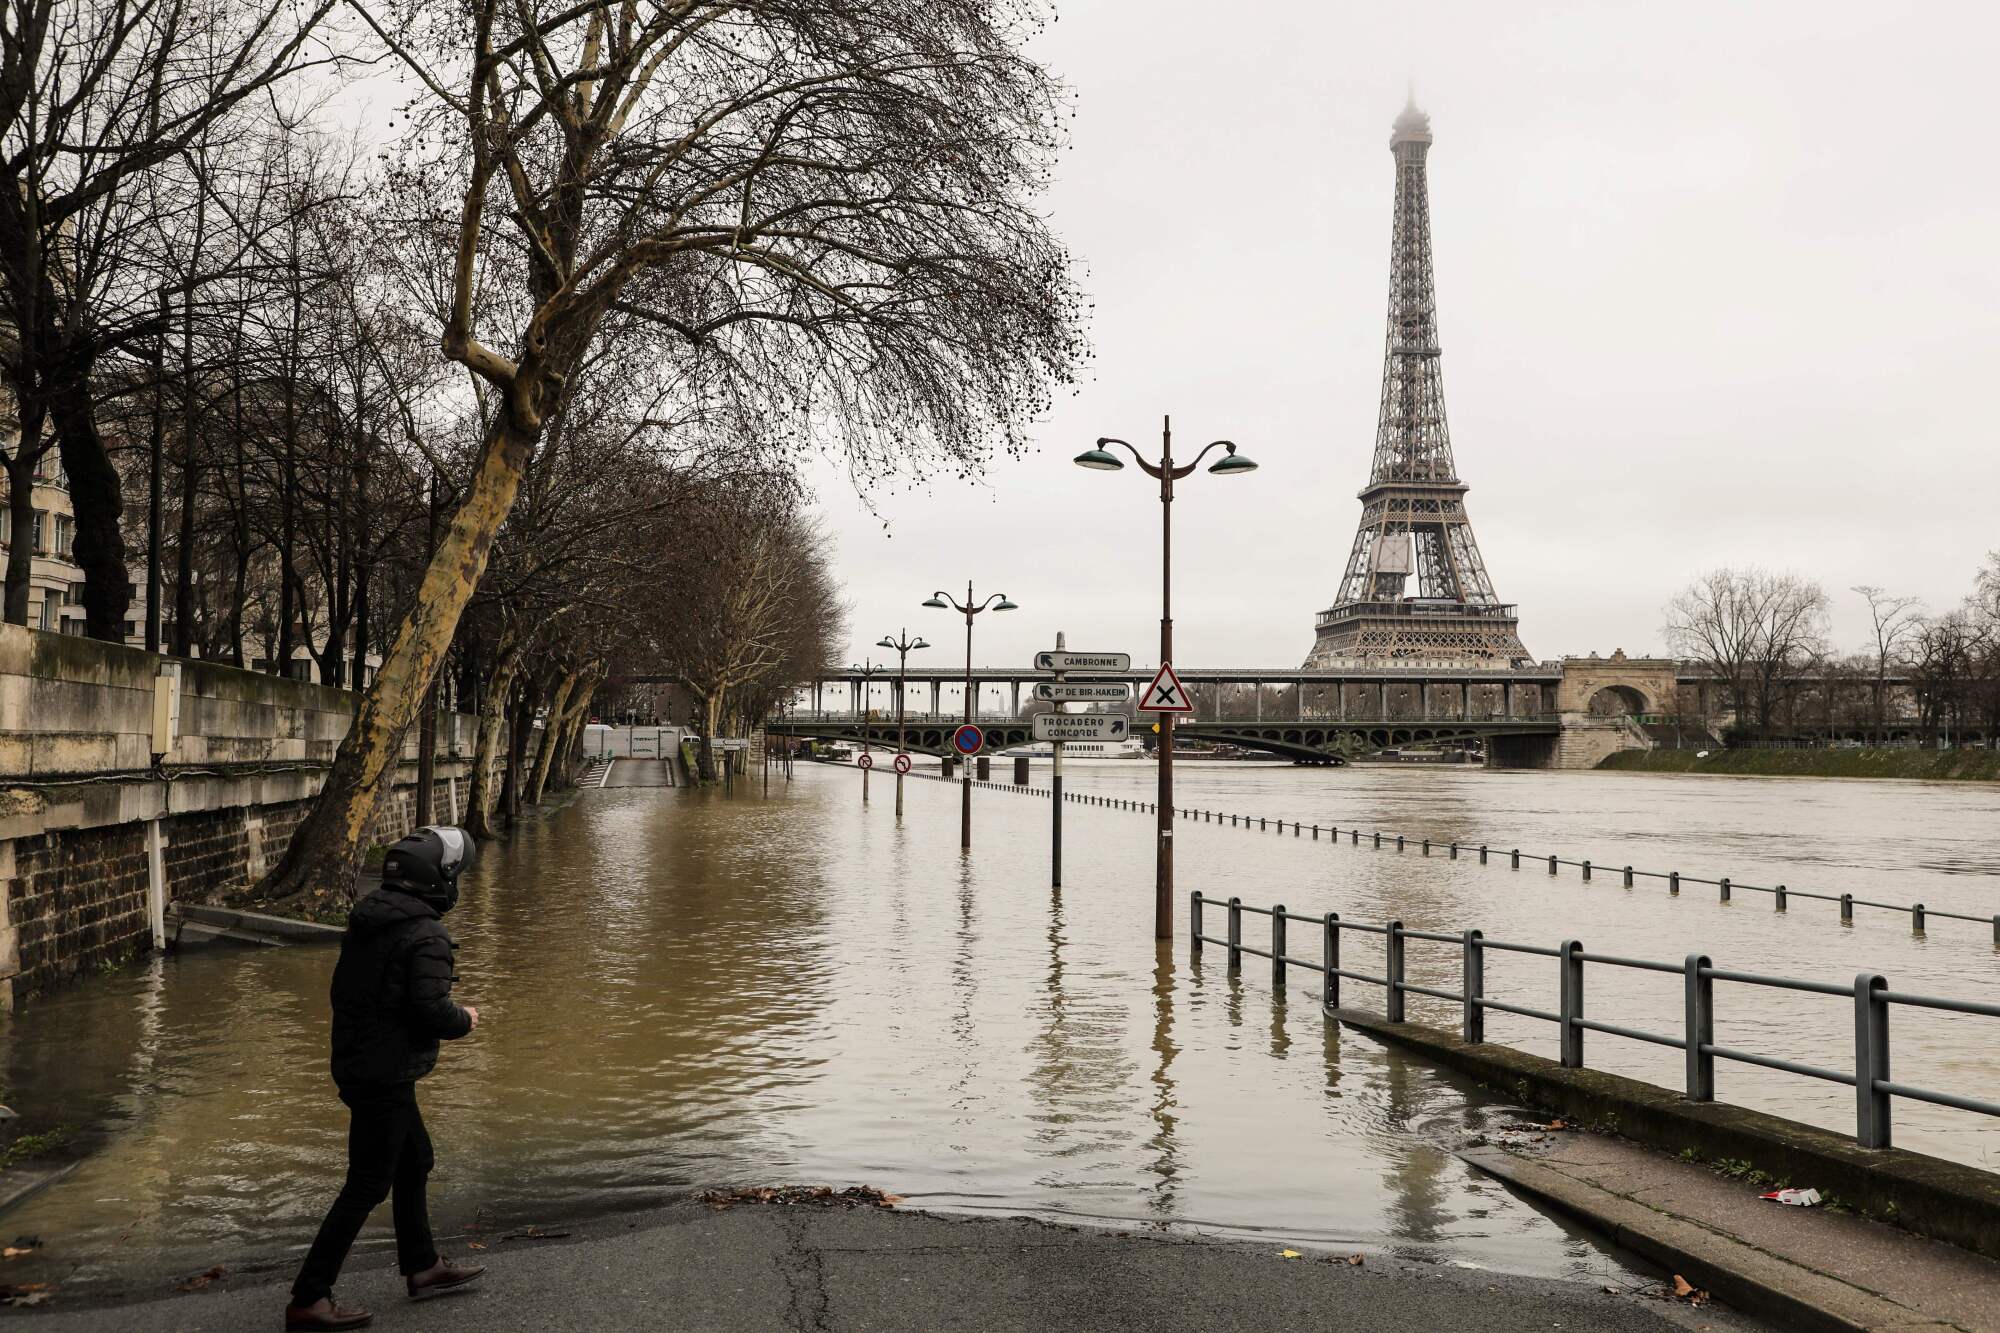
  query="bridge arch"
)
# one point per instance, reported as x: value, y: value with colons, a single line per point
x: 1619, y: 701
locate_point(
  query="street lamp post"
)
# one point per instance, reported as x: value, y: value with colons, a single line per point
x: 1102, y: 460
x: 867, y: 671
x: 942, y: 601
x: 903, y: 645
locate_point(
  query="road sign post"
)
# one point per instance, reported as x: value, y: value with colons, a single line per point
x: 1057, y: 689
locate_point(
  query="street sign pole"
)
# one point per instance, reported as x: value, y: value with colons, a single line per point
x: 1056, y: 796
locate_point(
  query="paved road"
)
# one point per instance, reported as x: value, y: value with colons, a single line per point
x: 639, y: 773
x: 758, y: 1268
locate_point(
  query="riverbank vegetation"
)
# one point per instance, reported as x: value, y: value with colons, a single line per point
x: 1964, y: 764
x: 511, y: 406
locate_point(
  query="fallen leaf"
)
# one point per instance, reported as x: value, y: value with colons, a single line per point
x: 475, y: 1245
x: 1682, y: 1287
x: 1557, y: 1124
x: 1288, y: 1254
x: 201, y: 1279
x: 1354, y: 1260
x: 10, y: 1252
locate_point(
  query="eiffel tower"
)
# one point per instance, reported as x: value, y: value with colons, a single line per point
x: 1413, y: 519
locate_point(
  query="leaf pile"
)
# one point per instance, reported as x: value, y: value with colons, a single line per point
x: 791, y: 1196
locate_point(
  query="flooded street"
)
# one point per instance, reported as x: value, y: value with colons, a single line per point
x: 682, y: 988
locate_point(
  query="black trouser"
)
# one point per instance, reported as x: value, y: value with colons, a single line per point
x: 388, y: 1149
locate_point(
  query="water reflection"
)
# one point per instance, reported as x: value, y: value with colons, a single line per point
x: 1164, y: 1143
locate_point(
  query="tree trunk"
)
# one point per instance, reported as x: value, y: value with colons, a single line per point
x: 323, y: 854
x: 522, y: 726
x: 492, y: 715
x: 711, y: 704
x: 551, y: 733
x: 579, y: 715
x: 190, y: 485
x: 99, y: 500
x: 20, y: 527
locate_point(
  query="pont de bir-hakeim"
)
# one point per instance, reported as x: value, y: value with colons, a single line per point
x: 1413, y: 519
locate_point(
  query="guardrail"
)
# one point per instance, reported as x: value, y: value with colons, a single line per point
x: 1725, y: 887
x: 1870, y: 993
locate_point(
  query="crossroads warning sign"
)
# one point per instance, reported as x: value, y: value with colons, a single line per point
x: 1166, y: 694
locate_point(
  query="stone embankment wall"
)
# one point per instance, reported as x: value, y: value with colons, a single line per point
x: 98, y: 834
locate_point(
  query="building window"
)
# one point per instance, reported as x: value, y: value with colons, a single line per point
x: 65, y: 534
x: 39, y: 538
x: 51, y: 611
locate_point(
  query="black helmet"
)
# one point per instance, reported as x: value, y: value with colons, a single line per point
x: 427, y: 864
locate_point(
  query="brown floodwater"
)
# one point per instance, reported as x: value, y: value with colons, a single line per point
x: 683, y: 989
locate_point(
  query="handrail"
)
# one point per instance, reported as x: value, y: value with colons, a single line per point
x: 1874, y: 1090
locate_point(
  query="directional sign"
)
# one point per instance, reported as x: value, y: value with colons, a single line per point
x: 866, y: 760
x: 1081, y: 692
x: 1059, y: 660
x: 902, y: 763
x: 1166, y: 694
x: 1082, y: 727
x: 968, y: 739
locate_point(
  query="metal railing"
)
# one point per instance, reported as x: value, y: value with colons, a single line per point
x: 1725, y: 887
x: 1870, y: 994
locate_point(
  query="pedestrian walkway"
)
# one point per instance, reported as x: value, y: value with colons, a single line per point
x: 639, y: 773
x: 1805, y: 1268
x: 756, y: 1268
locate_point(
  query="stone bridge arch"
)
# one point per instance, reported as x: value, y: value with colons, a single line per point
x: 1617, y: 685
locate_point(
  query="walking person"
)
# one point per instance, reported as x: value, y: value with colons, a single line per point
x: 391, y: 1005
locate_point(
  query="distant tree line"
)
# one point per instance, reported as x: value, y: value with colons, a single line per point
x: 1765, y: 639
x: 514, y: 408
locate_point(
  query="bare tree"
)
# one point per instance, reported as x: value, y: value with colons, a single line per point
x: 824, y: 201
x: 1753, y: 630
x: 1896, y: 621
x: 94, y: 96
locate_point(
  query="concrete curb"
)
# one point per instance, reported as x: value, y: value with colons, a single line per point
x: 20, y: 1182
x: 1743, y: 1275
x: 1945, y: 1201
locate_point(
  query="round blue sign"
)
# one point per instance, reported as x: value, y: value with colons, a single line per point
x: 968, y: 739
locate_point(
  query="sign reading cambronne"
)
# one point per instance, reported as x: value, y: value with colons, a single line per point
x: 1081, y: 692
x: 1059, y: 660
x: 1082, y: 727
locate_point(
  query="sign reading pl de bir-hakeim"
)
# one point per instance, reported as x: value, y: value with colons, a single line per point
x: 1082, y: 691
x: 1082, y: 727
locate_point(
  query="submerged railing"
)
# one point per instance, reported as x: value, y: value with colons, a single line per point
x: 1873, y: 1088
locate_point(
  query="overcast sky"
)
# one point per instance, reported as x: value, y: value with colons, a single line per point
x: 1716, y: 285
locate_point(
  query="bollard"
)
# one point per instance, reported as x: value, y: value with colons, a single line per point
x: 985, y: 770
x: 1475, y: 988
x: 1427, y: 846
x: 1392, y: 972
x: 1586, y: 872
x: 1260, y: 825
x: 1778, y: 899
x: 1020, y: 770
x: 1846, y: 909
x: 1295, y: 829
x: 1329, y: 954
x: 1917, y: 919
x: 1194, y: 926
x: 1673, y: 883
x: 1996, y: 932
x: 1482, y: 853
x: 1871, y: 1061
x: 1378, y: 841
x: 1628, y: 877
x: 1571, y: 1004
x: 1354, y: 837
x: 1454, y: 851
x: 1722, y: 887
x: 1235, y: 934
x: 1699, y: 1033
x: 1552, y: 865
x: 1315, y: 833
x: 1517, y: 859
x: 1399, y: 842
x: 1278, y: 951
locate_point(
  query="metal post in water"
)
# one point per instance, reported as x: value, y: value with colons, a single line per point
x: 1194, y: 925
x: 1329, y: 957
x: 1586, y: 872
x: 1846, y: 909
x: 1722, y: 885
x: 1778, y: 899
x: 1392, y: 971
x: 1235, y: 934
x: 1917, y: 919
x: 1475, y: 988
x: 1278, y: 950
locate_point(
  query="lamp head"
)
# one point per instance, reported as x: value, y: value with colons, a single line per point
x: 1099, y: 460
x: 1004, y: 605
x: 937, y: 602
x: 920, y: 643
x: 884, y: 642
x: 1231, y: 462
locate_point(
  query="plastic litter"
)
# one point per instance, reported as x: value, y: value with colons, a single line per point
x: 1797, y: 1198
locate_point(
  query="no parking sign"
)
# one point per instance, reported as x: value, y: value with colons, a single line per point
x: 866, y: 760
x: 968, y: 739
x: 902, y: 762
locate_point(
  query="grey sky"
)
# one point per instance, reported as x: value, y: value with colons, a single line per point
x: 1716, y: 284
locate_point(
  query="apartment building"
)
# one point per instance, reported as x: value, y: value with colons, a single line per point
x: 55, y: 593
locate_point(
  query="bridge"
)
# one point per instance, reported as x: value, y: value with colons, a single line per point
x: 1310, y: 740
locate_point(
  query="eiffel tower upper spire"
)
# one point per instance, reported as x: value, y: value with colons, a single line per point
x: 1413, y: 520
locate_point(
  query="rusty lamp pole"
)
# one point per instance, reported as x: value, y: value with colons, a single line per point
x: 902, y: 645
x: 867, y: 670
x: 943, y: 601
x: 1231, y: 463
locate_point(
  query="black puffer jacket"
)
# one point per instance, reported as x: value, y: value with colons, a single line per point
x: 392, y: 991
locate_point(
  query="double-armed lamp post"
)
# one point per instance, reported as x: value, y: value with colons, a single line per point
x: 1230, y: 464
x: 943, y: 601
x: 902, y: 645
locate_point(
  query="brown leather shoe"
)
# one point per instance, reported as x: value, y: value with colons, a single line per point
x: 441, y: 1277
x: 325, y: 1313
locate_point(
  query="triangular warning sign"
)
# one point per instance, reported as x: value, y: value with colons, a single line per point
x: 1166, y: 694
